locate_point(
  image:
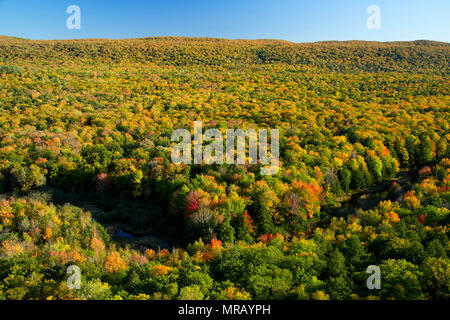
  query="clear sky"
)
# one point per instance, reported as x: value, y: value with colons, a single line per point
x: 293, y: 20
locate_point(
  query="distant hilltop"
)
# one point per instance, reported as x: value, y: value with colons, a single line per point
x: 421, y: 56
x: 268, y: 41
x: 11, y: 38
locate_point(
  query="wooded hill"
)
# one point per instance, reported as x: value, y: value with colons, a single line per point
x: 351, y: 56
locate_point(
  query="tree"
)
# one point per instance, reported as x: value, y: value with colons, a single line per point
x: 193, y: 292
x: 336, y: 264
x: 346, y: 177
x: 435, y: 276
x: 400, y: 279
x: 375, y: 166
x: 338, y: 288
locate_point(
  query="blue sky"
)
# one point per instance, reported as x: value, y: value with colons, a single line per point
x: 293, y: 20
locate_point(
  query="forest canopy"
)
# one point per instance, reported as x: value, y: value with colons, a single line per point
x: 85, y: 140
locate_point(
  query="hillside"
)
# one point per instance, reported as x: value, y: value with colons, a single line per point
x: 87, y: 176
x: 351, y: 56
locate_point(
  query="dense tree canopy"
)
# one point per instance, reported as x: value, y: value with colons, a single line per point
x: 89, y: 122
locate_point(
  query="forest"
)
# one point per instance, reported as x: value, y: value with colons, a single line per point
x: 86, y: 176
